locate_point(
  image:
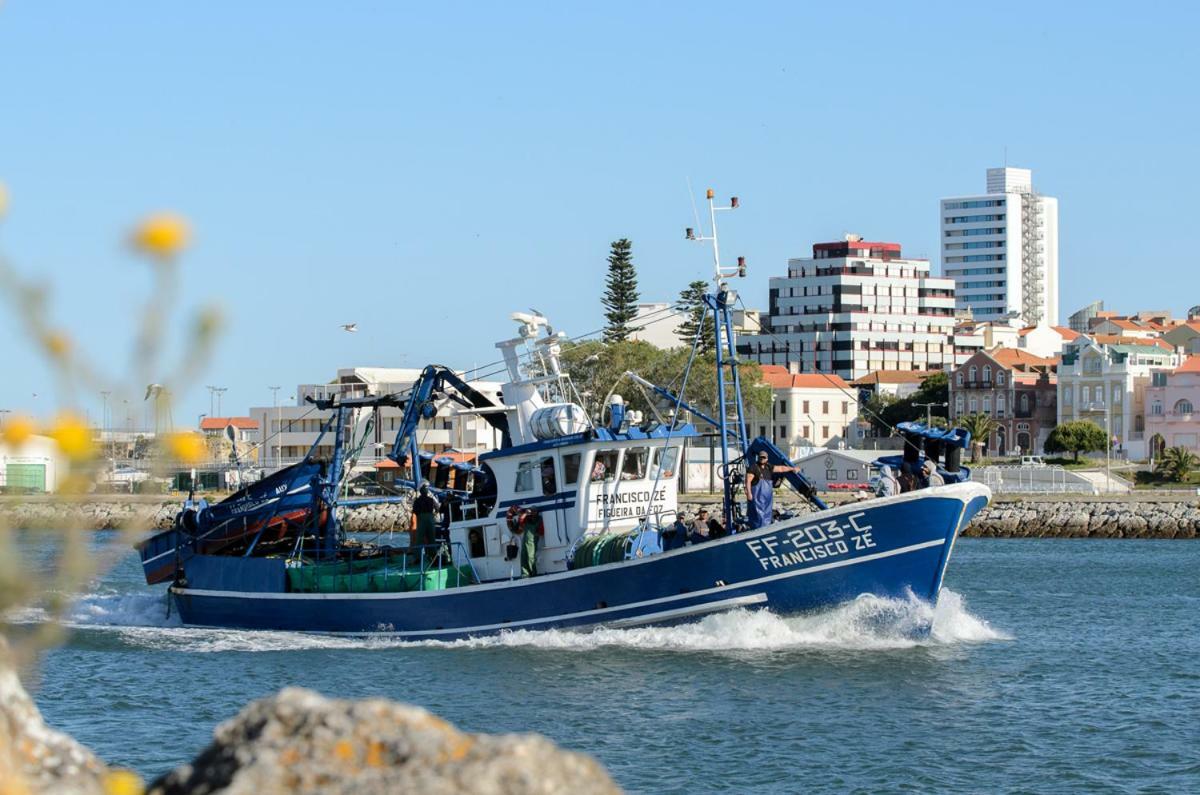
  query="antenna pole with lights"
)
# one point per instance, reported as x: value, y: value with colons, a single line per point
x: 719, y: 303
x: 719, y: 274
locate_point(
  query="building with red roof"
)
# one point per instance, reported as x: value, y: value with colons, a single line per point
x: 1172, y: 400
x: 853, y: 307
x: 246, y: 428
x: 807, y: 410
x: 1015, y: 388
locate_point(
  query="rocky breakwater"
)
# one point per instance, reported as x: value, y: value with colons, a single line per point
x: 1096, y: 518
x: 99, y: 514
x: 109, y: 514
x: 1135, y: 516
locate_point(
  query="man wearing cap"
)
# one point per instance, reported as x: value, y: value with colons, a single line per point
x: 760, y: 494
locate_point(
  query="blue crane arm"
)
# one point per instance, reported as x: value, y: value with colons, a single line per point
x: 437, y: 380
x: 666, y: 394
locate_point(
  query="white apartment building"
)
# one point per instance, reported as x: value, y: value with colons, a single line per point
x: 288, y: 431
x: 808, y: 410
x: 1107, y: 385
x: 1001, y: 250
x: 658, y: 324
x: 855, y: 307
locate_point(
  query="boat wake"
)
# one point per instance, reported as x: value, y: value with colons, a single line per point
x: 867, y: 623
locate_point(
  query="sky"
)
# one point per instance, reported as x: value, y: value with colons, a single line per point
x: 423, y: 171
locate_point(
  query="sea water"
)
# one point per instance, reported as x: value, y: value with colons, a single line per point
x: 1052, y: 666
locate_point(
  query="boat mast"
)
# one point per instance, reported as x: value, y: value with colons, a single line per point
x: 719, y: 302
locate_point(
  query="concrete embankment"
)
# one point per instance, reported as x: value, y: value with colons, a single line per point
x: 1134, y: 516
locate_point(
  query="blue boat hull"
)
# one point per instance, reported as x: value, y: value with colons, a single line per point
x: 889, y: 547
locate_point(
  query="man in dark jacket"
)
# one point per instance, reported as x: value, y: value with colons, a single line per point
x: 424, y: 511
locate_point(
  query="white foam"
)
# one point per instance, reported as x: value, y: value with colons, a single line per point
x: 866, y: 623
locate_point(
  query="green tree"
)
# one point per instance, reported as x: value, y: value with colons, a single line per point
x: 596, y: 368
x: 1177, y: 463
x: 981, y: 427
x: 1079, y: 436
x: 886, y: 412
x: 620, y: 292
x: 691, y: 303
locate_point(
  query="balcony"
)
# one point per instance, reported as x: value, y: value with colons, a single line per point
x: 1172, y: 417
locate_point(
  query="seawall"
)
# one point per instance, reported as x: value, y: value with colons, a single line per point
x: 1137, y: 516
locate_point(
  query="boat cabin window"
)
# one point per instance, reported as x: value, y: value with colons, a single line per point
x: 605, y: 466
x: 476, y: 546
x: 571, y: 468
x: 665, y: 461
x: 531, y: 473
x: 634, y: 467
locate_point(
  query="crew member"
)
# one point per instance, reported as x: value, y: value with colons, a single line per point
x: 675, y: 536
x: 527, y: 524
x: 424, y: 511
x: 760, y: 494
x: 932, y: 477
x: 888, y: 485
x: 699, y: 529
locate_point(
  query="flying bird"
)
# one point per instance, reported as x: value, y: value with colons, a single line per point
x: 351, y: 327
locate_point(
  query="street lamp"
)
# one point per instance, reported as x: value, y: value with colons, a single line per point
x: 215, y: 391
x: 929, y: 407
x: 278, y: 422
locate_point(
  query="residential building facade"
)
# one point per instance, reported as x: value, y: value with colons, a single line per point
x: 1001, y: 250
x: 1045, y: 341
x: 893, y: 383
x: 1185, y: 337
x: 808, y: 410
x: 289, y: 431
x: 1106, y: 383
x: 245, y: 428
x: 1173, y: 408
x: 854, y: 307
x: 1014, y: 387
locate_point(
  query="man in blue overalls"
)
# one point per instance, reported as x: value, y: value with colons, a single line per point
x: 760, y: 494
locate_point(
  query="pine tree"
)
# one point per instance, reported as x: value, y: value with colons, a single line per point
x: 691, y: 304
x: 621, y: 292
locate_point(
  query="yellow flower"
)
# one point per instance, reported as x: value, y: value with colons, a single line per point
x: 163, y: 235
x: 185, y: 447
x: 74, y: 437
x: 57, y: 344
x: 343, y: 750
x: 17, y: 430
x: 123, y: 782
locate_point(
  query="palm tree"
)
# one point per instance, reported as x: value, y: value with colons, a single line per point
x: 980, y: 426
x: 1177, y: 463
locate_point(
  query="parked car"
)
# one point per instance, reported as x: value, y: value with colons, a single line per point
x: 1032, y: 461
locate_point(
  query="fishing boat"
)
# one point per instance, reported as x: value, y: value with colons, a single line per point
x: 597, y: 494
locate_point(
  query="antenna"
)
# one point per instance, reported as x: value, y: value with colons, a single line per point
x: 720, y: 274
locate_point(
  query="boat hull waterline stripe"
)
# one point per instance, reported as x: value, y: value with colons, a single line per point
x: 565, y: 616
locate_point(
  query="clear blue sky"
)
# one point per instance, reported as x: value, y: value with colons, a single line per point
x: 424, y: 171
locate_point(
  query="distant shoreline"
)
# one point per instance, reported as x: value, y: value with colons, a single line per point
x: 1042, y: 516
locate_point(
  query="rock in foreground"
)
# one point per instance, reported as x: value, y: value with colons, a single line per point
x: 300, y: 742
x: 33, y: 757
